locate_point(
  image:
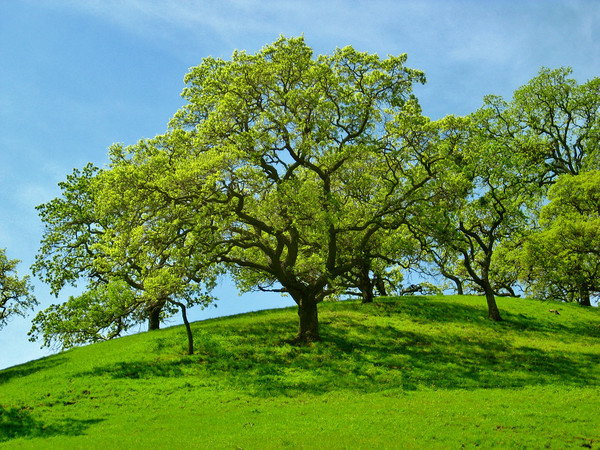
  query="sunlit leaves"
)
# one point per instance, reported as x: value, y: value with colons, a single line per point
x: 557, y: 121
x: 16, y: 293
x: 96, y: 315
x: 562, y: 259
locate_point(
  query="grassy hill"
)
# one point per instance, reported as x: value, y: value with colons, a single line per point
x: 410, y: 372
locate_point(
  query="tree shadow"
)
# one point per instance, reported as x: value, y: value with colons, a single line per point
x: 18, y: 423
x: 31, y: 367
x: 432, y: 310
x: 142, y: 369
x: 522, y: 322
x: 367, y: 356
x: 463, y: 362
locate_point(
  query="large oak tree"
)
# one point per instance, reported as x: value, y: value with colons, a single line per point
x: 287, y: 166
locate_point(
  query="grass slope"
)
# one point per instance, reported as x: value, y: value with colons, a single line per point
x: 409, y: 372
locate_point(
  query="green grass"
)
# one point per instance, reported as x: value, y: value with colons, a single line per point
x: 409, y: 372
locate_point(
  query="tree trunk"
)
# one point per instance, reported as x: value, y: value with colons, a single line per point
x: 484, y: 282
x: 367, y: 294
x: 457, y: 281
x: 493, y: 312
x: 365, y: 284
x: 308, y: 330
x: 584, y: 296
x: 459, y: 287
x: 188, y: 328
x: 380, y: 284
x: 154, y: 311
x: 154, y: 318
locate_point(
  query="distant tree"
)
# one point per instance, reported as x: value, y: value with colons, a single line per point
x: 288, y: 166
x: 379, y: 266
x: 16, y: 294
x: 562, y: 258
x: 435, y: 260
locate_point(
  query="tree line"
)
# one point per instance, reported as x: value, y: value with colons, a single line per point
x: 321, y: 176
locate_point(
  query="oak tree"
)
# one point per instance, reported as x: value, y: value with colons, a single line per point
x: 83, y: 233
x: 285, y: 166
x: 481, y: 201
x: 555, y: 121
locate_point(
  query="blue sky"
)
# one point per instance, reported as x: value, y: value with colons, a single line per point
x: 79, y: 75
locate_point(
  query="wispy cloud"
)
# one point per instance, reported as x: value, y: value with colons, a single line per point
x: 465, y: 46
x: 465, y: 30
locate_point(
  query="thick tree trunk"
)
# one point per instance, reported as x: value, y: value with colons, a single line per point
x: 584, y: 297
x: 459, y: 286
x: 367, y: 294
x: 308, y: 329
x: 154, y: 318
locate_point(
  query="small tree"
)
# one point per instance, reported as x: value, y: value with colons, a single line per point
x: 16, y: 294
x: 379, y: 266
x: 85, y: 239
x: 70, y: 249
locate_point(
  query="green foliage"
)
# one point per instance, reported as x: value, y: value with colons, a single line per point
x: 282, y: 167
x: 96, y: 315
x: 498, y: 177
x: 415, y: 371
x: 85, y: 239
x: 16, y: 293
x: 480, y: 201
x: 73, y: 227
x: 318, y: 177
x: 556, y: 120
x: 551, y: 130
x: 562, y: 259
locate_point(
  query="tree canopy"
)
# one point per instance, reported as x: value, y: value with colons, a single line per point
x: 86, y: 239
x: 562, y: 257
x: 16, y: 293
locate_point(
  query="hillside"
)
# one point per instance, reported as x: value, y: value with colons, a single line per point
x: 408, y: 372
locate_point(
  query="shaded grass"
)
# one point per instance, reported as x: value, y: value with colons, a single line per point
x: 18, y: 423
x: 432, y: 370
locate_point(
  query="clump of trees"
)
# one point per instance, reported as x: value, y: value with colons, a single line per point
x: 320, y: 176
